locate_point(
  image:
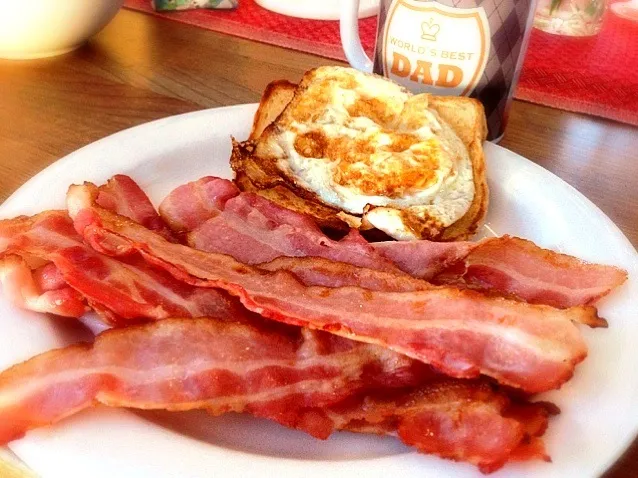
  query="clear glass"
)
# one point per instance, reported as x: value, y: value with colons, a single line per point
x: 570, y: 17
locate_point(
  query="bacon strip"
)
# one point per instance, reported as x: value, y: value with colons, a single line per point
x: 21, y: 287
x: 192, y: 204
x: 322, y: 272
x: 314, y: 271
x: 306, y: 382
x: 129, y: 288
x: 122, y: 195
x: 184, y: 364
x: 424, y: 259
x: 536, y: 275
x: 451, y: 419
x: 254, y: 230
x: 461, y: 333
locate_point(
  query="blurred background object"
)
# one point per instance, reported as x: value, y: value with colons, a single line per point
x: 166, y: 5
x: 627, y: 10
x: 570, y: 17
x: 317, y: 9
x: 41, y: 28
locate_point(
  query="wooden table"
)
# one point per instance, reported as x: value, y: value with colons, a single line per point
x: 141, y: 68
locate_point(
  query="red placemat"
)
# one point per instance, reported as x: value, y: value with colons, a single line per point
x: 597, y: 75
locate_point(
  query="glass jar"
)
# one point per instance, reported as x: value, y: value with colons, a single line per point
x: 570, y: 17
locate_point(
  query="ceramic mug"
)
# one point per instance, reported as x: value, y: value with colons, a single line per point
x: 451, y: 47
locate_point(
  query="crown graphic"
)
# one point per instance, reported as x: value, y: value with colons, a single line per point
x: 429, y: 30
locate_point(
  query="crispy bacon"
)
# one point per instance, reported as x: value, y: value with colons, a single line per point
x: 192, y: 204
x: 452, y: 419
x: 183, y: 364
x: 126, y: 289
x: 23, y: 289
x: 461, y: 333
x: 538, y: 276
x: 254, y: 230
x: 308, y: 380
x: 122, y: 195
x: 323, y: 272
x: 424, y: 259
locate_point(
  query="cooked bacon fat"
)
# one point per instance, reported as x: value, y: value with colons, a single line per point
x: 316, y: 384
x: 461, y: 333
x: 254, y: 230
x: 21, y: 286
x: 128, y: 287
x: 282, y: 322
x: 183, y: 364
x: 122, y: 195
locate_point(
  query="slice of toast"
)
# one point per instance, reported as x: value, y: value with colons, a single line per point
x: 275, y: 98
x: 465, y: 116
x: 250, y: 177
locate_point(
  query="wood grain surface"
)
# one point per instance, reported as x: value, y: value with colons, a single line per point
x: 141, y: 68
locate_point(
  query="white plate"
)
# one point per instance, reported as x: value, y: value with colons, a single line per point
x: 317, y: 10
x: 599, y: 416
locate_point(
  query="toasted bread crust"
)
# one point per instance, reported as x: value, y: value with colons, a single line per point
x: 256, y: 172
x: 274, y: 100
x: 267, y: 163
x: 466, y: 116
x: 250, y: 177
x: 256, y: 176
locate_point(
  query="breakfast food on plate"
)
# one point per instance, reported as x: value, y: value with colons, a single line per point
x: 275, y: 98
x: 213, y: 215
x: 303, y: 380
x: 377, y: 364
x: 394, y: 320
x: 232, y: 298
x: 350, y: 147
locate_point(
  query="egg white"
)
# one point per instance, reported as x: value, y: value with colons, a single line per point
x: 446, y: 198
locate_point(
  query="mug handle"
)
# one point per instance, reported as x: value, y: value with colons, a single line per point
x: 350, y: 40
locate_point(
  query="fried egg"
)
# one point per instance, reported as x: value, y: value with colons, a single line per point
x: 368, y: 147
